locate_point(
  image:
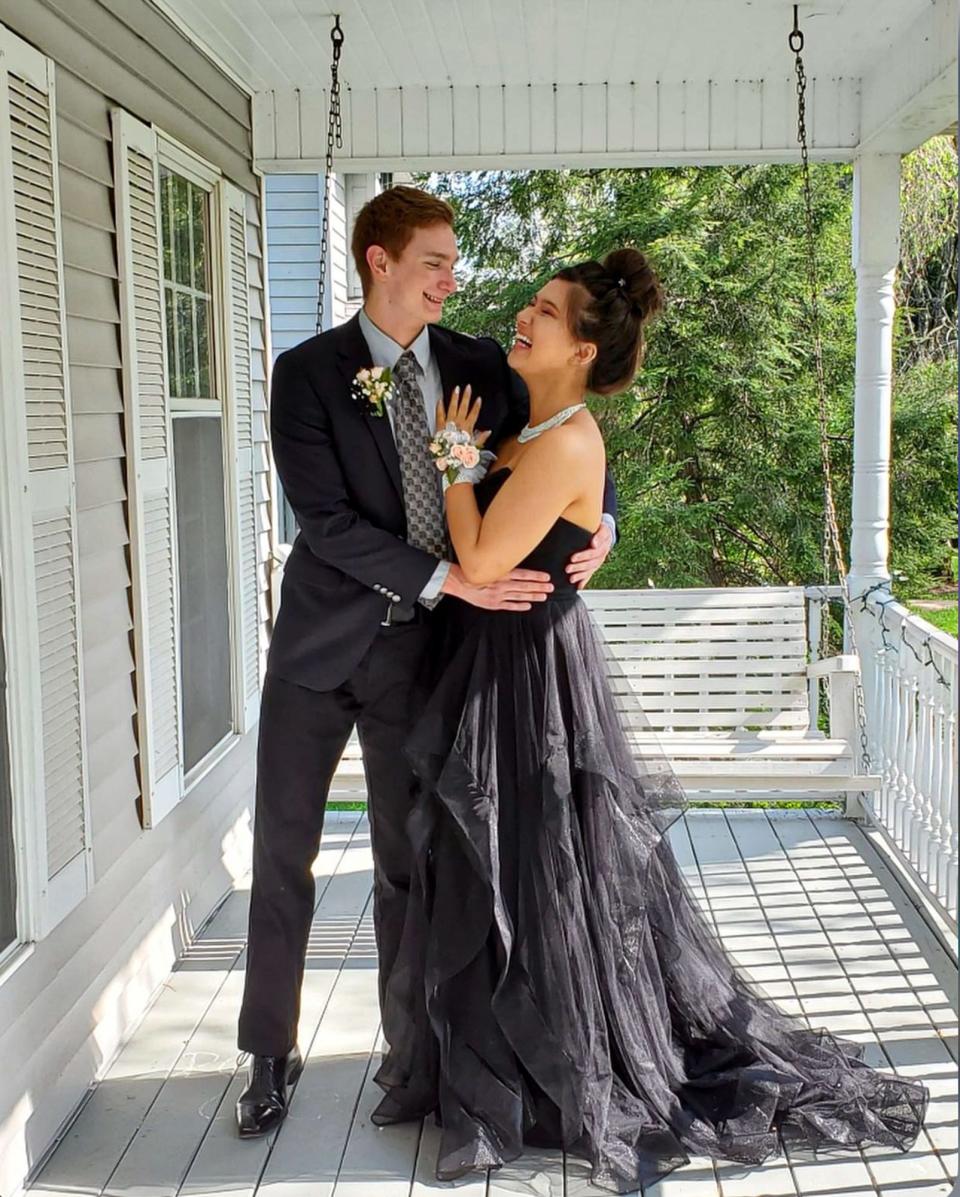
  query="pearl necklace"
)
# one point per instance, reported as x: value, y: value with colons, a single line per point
x: 527, y: 433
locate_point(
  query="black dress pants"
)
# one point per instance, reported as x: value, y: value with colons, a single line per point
x: 301, y: 737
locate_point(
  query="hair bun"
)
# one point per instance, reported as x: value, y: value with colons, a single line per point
x: 631, y: 273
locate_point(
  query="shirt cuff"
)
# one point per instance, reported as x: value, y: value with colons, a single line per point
x: 611, y: 523
x: 432, y: 589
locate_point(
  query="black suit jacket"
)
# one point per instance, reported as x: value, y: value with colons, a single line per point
x: 341, y: 473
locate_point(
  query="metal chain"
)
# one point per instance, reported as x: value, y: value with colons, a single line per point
x: 334, y: 134
x: 831, y: 531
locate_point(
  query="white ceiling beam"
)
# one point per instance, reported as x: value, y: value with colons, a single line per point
x: 656, y: 123
x: 910, y: 94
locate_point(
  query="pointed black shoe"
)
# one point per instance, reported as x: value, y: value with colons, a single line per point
x: 263, y: 1103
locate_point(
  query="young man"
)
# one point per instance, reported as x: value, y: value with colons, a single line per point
x: 367, y: 569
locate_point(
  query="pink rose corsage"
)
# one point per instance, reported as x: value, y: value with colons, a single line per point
x: 458, y: 456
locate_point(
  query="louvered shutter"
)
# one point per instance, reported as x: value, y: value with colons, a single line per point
x: 41, y: 455
x: 149, y: 450
x: 239, y: 401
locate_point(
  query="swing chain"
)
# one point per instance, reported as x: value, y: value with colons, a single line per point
x: 334, y: 134
x: 831, y: 532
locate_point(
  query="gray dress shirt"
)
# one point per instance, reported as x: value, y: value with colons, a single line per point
x: 385, y: 351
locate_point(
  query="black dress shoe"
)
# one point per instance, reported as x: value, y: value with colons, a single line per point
x: 263, y: 1103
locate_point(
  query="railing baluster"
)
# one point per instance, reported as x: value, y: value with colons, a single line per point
x: 910, y: 684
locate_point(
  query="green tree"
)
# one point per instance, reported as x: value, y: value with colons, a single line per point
x: 715, y: 449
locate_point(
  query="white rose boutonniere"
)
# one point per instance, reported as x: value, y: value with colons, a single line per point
x: 372, y: 387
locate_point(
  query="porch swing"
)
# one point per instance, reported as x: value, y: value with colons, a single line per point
x: 728, y: 678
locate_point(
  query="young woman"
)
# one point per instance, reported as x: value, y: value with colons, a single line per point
x: 556, y: 983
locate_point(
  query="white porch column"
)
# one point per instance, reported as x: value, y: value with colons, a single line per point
x: 876, y: 251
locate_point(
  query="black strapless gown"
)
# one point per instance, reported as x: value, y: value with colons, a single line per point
x: 556, y: 982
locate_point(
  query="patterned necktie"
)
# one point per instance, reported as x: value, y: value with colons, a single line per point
x: 422, y: 491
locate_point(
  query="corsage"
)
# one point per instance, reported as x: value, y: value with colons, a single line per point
x: 458, y: 456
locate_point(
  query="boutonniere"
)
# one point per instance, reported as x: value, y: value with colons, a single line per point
x: 372, y: 388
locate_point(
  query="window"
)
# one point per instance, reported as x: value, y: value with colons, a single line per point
x: 198, y: 467
x: 184, y: 208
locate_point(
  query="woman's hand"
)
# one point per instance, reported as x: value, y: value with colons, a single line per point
x: 462, y: 411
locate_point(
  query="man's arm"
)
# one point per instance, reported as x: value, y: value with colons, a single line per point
x: 314, y: 484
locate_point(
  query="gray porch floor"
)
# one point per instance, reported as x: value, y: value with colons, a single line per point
x: 801, y: 899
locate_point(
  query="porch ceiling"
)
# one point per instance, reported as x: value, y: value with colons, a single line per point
x: 446, y: 83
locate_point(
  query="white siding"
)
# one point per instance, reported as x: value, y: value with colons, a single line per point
x: 294, y: 226
x: 293, y: 239
x: 294, y: 220
x: 130, y: 51
x: 70, y: 1000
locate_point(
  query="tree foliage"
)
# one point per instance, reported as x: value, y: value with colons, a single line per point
x: 715, y: 449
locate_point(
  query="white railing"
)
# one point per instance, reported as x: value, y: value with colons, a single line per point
x: 817, y: 598
x: 910, y: 691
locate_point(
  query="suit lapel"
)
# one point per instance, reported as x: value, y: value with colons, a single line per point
x: 445, y: 356
x: 354, y: 355
x: 455, y: 371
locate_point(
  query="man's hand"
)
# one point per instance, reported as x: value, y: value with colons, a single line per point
x: 518, y: 591
x: 583, y: 565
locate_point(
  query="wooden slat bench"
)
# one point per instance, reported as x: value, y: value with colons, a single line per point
x: 724, y: 682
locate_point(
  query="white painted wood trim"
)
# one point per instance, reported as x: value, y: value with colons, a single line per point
x: 540, y: 126
x: 161, y: 788
x: 242, y: 559
x: 600, y: 160
x: 19, y: 606
x: 187, y: 162
x: 36, y: 498
x: 910, y: 93
x: 845, y: 663
x: 275, y: 562
x: 67, y: 888
x: 876, y: 253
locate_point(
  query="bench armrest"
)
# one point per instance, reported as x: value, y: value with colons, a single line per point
x: 845, y: 663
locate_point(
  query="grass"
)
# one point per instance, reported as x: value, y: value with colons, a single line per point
x: 828, y: 804
x: 945, y: 620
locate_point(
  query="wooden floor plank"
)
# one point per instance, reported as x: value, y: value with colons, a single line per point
x: 377, y: 1160
x: 224, y: 1164
x: 927, y: 970
x: 906, y: 1022
x: 806, y: 911
x: 116, y: 1108
x: 425, y: 1170
x: 162, y: 1053
x: 537, y: 1173
x: 809, y: 852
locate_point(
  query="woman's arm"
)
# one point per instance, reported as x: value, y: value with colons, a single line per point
x: 548, y: 478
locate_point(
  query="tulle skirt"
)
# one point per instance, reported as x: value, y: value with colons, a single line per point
x: 556, y: 982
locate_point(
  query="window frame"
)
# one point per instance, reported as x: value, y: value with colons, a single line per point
x: 174, y: 156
